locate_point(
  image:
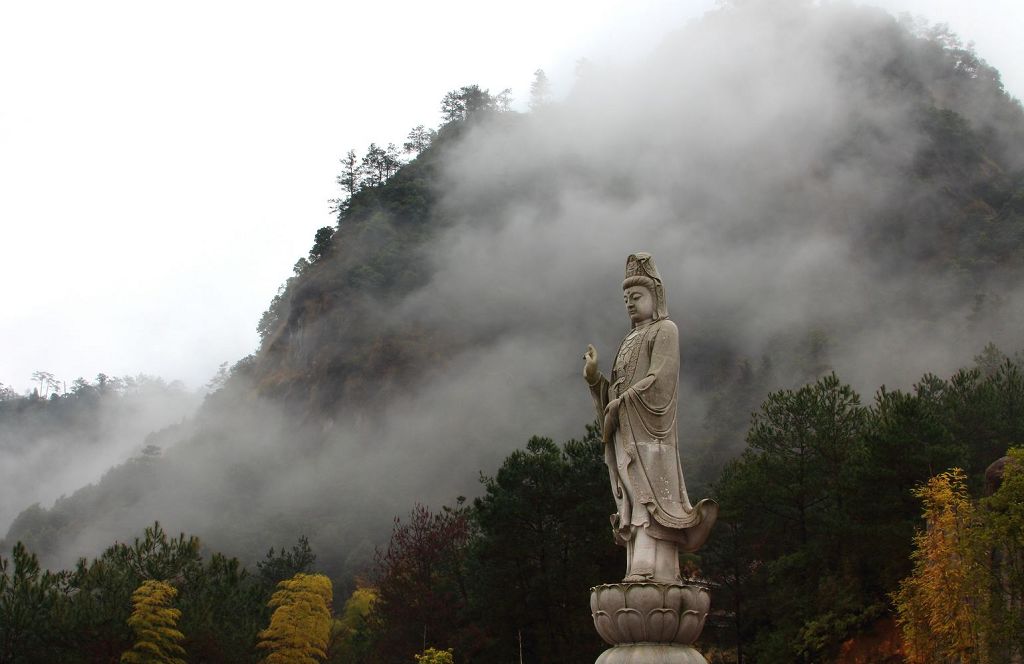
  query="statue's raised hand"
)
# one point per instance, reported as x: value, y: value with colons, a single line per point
x: 590, y: 364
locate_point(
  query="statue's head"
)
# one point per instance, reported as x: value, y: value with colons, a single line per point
x: 642, y: 289
x: 639, y: 303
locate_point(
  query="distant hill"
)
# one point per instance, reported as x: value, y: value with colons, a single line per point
x: 57, y: 437
x: 822, y: 188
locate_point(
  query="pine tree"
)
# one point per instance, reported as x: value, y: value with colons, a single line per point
x: 155, y: 625
x: 392, y: 160
x: 301, y: 625
x: 470, y: 101
x: 349, y: 178
x: 540, y: 90
x: 28, y: 596
x: 374, y: 166
x: 418, y: 140
x: 321, y: 243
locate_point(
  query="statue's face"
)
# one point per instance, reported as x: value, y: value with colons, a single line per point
x: 639, y: 304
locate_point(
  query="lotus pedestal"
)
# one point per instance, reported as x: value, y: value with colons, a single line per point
x: 648, y: 623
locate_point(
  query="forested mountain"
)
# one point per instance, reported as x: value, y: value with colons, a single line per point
x: 824, y: 188
x: 826, y: 204
x: 58, y: 436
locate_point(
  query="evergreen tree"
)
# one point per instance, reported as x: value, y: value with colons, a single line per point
x: 98, y: 603
x: 374, y: 166
x: 223, y: 609
x: 155, y: 555
x: 802, y: 444
x: 7, y: 393
x: 470, y: 101
x: 96, y: 610
x: 47, y: 382
x: 541, y: 539
x: 392, y: 160
x: 789, y: 512
x: 321, y: 243
x: 28, y: 599
x: 284, y: 564
x: 418, y: 140
x: 349, y: 178
x: 540, y: 90
x: 271, y: 318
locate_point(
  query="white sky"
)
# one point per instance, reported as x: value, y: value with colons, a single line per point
x: 163, y: 165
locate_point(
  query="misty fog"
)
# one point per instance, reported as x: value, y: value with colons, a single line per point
x: 751, y: 153
x: 42, y: 460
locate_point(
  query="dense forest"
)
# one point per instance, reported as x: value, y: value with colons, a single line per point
x: 836, y: 201
x: 815, y: 538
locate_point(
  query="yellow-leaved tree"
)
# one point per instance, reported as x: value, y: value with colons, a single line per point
x: 155, y: 625
x: 939, y: 605
x: 435, y: 656
x: 349, y: 632
x: 301, y: 624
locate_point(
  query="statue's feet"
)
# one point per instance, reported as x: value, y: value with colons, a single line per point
x: 638, y: 578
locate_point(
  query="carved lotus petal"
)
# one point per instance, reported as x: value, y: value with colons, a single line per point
x: 631, y: 625
x: 644, y: 597
x: 662, y: 625
x: 674, y: 596
x: 702, y: 601
x: 609, y: 598
x: 690, y: 625
x: 627, y: 613
x: 605, y: 626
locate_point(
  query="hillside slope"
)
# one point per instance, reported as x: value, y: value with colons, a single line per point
x: 823, y: 188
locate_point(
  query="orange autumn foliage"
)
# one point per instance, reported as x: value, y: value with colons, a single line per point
x: 938, y: 605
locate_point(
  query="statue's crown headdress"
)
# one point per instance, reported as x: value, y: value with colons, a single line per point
x: 641, y: 271
x: 633, y: 267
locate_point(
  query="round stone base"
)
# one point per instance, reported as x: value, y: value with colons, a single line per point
x: 651, y: 653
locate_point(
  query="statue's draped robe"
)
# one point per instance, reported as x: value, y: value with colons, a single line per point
x: 642, y: 453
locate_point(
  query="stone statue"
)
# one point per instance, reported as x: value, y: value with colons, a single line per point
x: 637, y: 406
x: 653, y: 616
